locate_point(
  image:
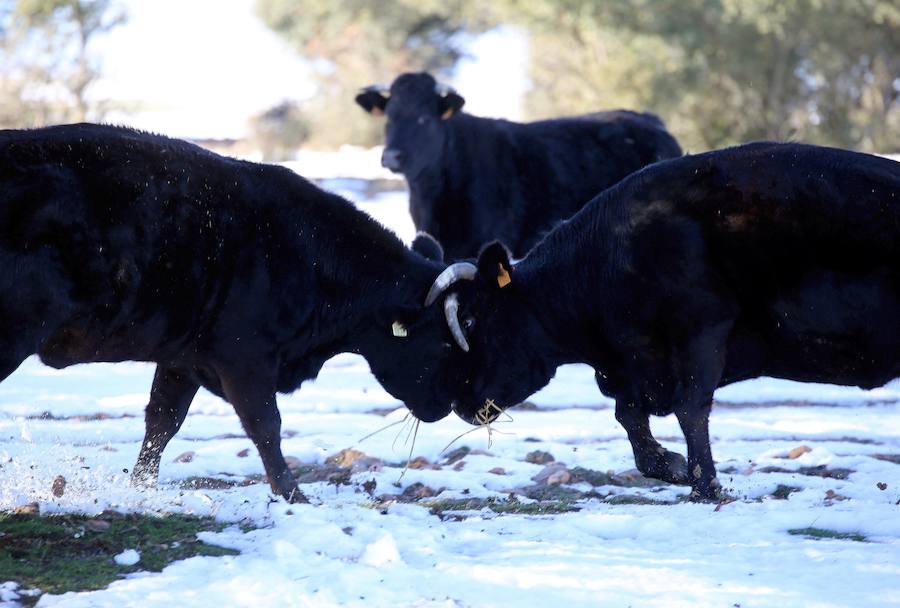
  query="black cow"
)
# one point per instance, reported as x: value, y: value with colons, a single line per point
x: 765, y: 259
x: 239, y: 277
x: 473, y: 180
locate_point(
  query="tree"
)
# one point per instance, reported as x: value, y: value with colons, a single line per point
x: 46, y: 48
x: 724, y: 71
x: 353, y: 43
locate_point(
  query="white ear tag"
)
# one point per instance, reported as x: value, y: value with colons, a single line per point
x: 399, y: 330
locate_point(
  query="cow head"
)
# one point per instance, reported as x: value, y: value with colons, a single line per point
x: 417, y: 108
x: 497, y: 359
x: 407, y: 349
x: 409, y: 346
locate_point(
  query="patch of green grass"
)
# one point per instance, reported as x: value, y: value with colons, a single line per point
x: 819, y: 533
x: 209, y: 483
x: 438, y: 507
x: 554, y: 493
x: 635, y: 499
x: 533, y: 508
x: 61, y: 553
x: 595, y: 478
x: 627, y: 479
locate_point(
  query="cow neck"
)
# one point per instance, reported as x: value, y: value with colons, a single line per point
x: 455, y: 172
x: 441, y: 176
x: 565, y: 280
x: 364, y: 271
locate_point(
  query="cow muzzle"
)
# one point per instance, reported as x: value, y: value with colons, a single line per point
x: 392, y: 159
x: 488, y: 413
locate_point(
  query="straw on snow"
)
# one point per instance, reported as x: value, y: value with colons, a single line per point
x: 488, y: 413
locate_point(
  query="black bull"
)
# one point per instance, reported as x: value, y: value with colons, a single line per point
x: 238, y: 277
x: 473, y: 180
x: 761, y: 260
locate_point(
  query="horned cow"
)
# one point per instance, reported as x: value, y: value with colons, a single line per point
x: 765, y: 259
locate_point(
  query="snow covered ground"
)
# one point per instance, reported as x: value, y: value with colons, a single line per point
x: 364, y: 543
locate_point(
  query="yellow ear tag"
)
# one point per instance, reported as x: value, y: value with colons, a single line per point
x: 503, y: 278
x: 447, y: 114
x: 376, y: 111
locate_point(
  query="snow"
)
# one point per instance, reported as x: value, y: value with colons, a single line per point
x: 8, y: 591
x: 347, y: 549
x: 128, y: 557
x: 350, y: 163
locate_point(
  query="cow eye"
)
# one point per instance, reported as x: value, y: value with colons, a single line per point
x: 468, y: 323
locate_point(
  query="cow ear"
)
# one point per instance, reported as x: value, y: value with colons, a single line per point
x: 451, y: 104
x: 427, y: 246
x: 494, y: 265
x: 372, y: 101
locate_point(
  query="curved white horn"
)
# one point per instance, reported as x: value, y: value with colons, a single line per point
x: 450, y: 275
x: 451, y: 311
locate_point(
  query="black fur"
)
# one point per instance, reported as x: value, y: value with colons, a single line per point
x: 765, y: 259
x: 425, y: 245
x: 239, y: 277
x: 473, y: 180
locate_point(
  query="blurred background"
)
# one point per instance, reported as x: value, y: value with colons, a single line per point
x: 265, y: 78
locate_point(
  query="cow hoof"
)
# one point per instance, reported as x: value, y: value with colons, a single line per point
x: 296, y: 497
x: 664, y: 465
x: 711, y: 493
x: 676, y: 468
x: 143, y: 481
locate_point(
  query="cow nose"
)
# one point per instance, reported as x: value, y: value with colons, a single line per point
x: 465, y: 418
x: 391, y: 159
x: 429, y: 414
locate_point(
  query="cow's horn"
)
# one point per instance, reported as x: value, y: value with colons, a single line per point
x: 450, y: 275
x: 451, y: 311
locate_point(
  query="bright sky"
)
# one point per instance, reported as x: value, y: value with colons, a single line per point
x: 201, y: 68
x: 198, y: 68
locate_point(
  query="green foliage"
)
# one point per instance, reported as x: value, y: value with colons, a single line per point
x: 64, y: 553
x: 724, y: 71
x: 820, y: 533
x: 719, y: 72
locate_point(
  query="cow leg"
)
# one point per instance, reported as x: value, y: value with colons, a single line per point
x: 694, y: 423
x: 254, y: 402
x: 687, y: 378
x: 703, y: 361
x: 650, y: 457
x: 170, y: 398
